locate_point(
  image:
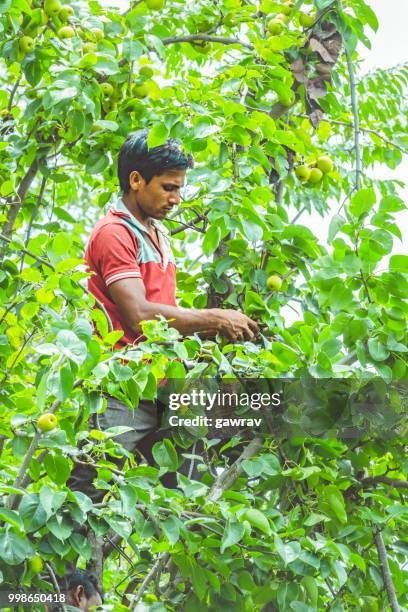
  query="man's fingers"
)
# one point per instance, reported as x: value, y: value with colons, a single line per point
x: 253, y: 326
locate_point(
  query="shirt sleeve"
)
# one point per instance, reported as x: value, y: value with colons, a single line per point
x: 114, y: 253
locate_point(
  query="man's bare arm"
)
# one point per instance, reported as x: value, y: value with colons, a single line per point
x: 129, y: 295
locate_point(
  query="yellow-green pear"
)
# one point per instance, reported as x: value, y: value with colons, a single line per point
x: 316, y: 175
x: 274, y: 282
x: 52, y: 7
x: 325, y: 164
x: 303, y: 173
x: 26, y: 44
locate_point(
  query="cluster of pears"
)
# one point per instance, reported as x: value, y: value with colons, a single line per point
x: 277, y: 23
x: 314, y: 172
x: 52, y: 9
x: 141, y: 88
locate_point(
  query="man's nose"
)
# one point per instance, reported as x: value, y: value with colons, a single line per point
x: 174, y: 199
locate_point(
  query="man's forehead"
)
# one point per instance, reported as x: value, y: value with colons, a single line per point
x: 173, y: 176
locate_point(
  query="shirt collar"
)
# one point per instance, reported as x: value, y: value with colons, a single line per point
x: 119, y: 206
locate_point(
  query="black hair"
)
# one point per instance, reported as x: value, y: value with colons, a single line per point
x: 135, y: 155
x: 87, y: 580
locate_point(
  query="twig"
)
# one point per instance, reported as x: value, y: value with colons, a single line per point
x: 163, y: 558
x: 29, y: 253
x: 206, y: 38
x: 385, y: 571
x: 12, y: 94
x: 365, y: 130
x: 24, y: 344
x: 21, y: 194
x: 392, y: 482
x: 229, y: 476
x: 354, y: 105
x: 55, y: 583
x: 299, y: 214
x: 191, y: 223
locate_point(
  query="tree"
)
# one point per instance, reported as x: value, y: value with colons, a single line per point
x: 299, y: 523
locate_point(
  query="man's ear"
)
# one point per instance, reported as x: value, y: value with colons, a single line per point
x: 135, y: 180
x: 78, y: 594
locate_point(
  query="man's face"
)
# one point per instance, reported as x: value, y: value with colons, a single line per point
x: 157, y: 198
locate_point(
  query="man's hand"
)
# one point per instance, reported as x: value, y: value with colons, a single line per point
x: 235, y: 325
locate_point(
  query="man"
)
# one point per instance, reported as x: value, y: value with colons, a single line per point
x: 81, y: 593
x: 134, y: 277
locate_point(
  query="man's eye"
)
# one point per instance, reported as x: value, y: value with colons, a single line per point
x: 168, y: 188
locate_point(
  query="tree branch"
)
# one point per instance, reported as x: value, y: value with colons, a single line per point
x: 163, y: 558
x: 392, y: 482
x: 21, y: 194
x: 356, y: 118
x: 29, y: 253
x: 385, y: 571
x: 206, y: 38
x: 229, y: 476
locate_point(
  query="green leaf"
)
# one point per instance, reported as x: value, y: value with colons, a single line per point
x: 336, y: 223
x: 60, y: 526
x: 399, y: 263
x: 57, y: 468
x: 288, y: 552
x: 71, y: 346
x: 128, y: 496
x: 257, y: 519
x: 165, y: 455
x: 171, y: 528
x: 362, y: 201
x: 12, y: 517
x: 14, y: 549
x: 377, y: 350
x: 233, y: 534
x: 157, y: 135
x: 335, y: 501
x: 32, y: 512
x: 121, y: 525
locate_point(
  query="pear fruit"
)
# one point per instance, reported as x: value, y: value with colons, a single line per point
x: 47, y: 422
x: 274, y: 282
x: 146, y: 71
x: 202, y: 48
x: 97, y: 33
x: 107, y: 89
x: 36, y: 564
x: 88, y: 47
x: 140, y: 91
x: 286, y: 8
x: 325, y: 164
x: 65, y: 13
x: 316, y: 175
x: 52, y: 7
x: 66, y: 32
x: 26, y: 44
x: 303, y: 173
x: 306, y: 20
x: 155, y: 5
x: 275, y: 27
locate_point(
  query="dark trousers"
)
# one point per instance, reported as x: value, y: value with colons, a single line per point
x: 145, y: 431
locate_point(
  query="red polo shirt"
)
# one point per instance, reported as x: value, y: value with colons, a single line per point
x: 122, y: 247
